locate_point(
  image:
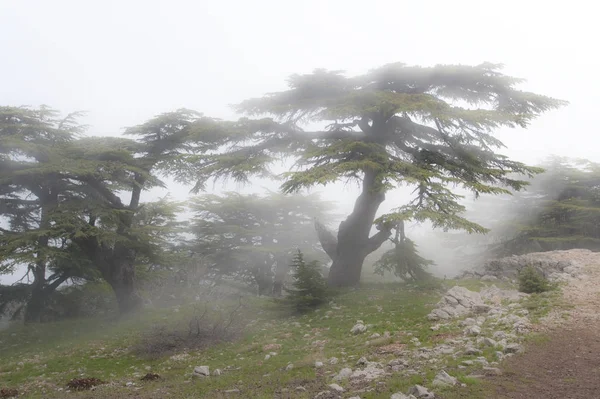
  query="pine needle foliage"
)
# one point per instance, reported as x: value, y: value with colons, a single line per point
x: 431, y: 128
x: 404, y: 262
x: 532, y: 281
x: 309, y: 289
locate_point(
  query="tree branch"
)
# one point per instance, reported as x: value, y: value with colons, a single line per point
x: 378, y: 239
x: 327, y: 239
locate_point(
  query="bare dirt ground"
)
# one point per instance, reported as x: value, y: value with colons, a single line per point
x: 567, y: 364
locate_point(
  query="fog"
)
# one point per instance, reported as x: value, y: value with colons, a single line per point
x: 124, y: 62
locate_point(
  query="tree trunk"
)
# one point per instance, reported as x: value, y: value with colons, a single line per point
x: 35, y: 304
x: 354, y: 243
x: 121, y: 278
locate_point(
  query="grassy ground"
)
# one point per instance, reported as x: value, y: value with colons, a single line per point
x: 39, y: 360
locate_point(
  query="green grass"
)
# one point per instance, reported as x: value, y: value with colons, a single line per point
x: 39, y: 360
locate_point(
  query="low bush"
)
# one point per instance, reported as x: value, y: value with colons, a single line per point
x: 532, y: 281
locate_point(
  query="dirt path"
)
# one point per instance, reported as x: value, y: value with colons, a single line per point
x: 567, y: 365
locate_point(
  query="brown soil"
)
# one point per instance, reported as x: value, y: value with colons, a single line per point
x: 567, y: 364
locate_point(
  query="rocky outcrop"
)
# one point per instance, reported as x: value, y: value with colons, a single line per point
x: 457, y: 302
x: 555, y: 265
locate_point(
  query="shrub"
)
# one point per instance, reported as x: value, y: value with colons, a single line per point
x: 405, y: 262
x: 309, y: 287
x: 532, y: 281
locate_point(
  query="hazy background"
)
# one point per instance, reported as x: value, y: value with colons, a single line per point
x: 126, y: 61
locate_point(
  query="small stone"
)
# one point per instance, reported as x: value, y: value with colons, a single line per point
x: 489, y: 342
x: 472, y: 351
x: 473, y: 330
x: 202, y: 371
x: 344, y: 373
x: 267, y: 357
x: 420, y: 392
x: 513, y: 348
x: 444, y: 379
x: 289, y: 367
x: 217, y: 372
x: 129, y: 384
x: 318, y: 365
x: 358, y: 328
x: 336, y: 388
x: 362, y: 361
x: 492, y: 371
x: 375, y: 335
x: 333, y: 360
x: 232, y: 391
x: 300, y: 389
x: 401, y: 396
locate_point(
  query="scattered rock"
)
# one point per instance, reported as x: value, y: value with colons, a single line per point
x: 513, y: 348
x: 456, y: 302
x: 472, y: 351
x: 289, y: 367
x: 201, y: 371
x: 420, y: 392
x: 358, y: 328
x: 492, y: 371
x: 371, y: 372
x: 402, y: 396
x: 318, y: 365
x: 362, y: 361
x: 300, y: 389
x: 444, y: 379
x: 344, y: 373
x: 333, y: 360
x: 489, y: 342
x: 217, y: 372
x: 336, y: 388
x: 235, y: 390
x: 473, y: 330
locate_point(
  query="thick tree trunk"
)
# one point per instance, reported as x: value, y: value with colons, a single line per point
x: 121, y: 278
x: 346, y: 268
x: 354, y: 243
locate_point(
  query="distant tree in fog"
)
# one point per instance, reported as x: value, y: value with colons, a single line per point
x: 254, y: 237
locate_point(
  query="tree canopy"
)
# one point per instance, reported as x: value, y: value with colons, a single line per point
x: 427, y: 127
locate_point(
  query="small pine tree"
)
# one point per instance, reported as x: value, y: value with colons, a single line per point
x: 532, y: 281
x: 309, y: 287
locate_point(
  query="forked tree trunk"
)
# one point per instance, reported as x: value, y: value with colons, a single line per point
x: 353, y: 240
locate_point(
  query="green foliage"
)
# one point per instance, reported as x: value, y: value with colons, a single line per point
x: 560, y: 211
x: 405, y: 262
x: 532, y: 281
x: 309, y: 287
x: 406, y: 125
x: 250, y: 237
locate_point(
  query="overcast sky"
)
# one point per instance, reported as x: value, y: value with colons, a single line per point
x: 128, y: 60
